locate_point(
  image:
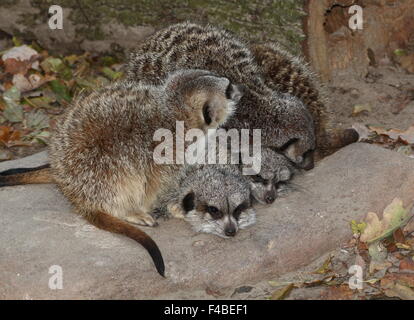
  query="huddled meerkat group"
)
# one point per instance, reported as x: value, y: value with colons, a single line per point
x: 101, y: 153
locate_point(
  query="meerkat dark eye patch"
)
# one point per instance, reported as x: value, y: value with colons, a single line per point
x: 214, y: 212
x: 240, y: 209
x: 206, y: 113
x: 188, y: 202
x: 259, y: 179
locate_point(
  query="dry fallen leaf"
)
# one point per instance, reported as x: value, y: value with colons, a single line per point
x: 325, y: 268
x: 34, y: 81
x: 359, y: 108
x: 398, y: 285
x: 19, y: 59
x: 342, y: 292
x: 406, y: 136
x: 407, y: 265
x: 394, y: 216
x: 282, y: 293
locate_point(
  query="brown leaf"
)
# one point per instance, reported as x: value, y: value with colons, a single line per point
x: 398, y: 236
x: 325, y: 268
x: 398, y: 285
x: 342, y: 292
x: 282, y: 293
x: 214, y: 293
x: 14, y: 66
x: 8, y: 135
x: 407, y: 265
x: 396, y: 134
x: 403, y: 278
x: 407, y: 62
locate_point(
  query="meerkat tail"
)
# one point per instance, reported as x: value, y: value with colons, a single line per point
x: 336, y: 139
x: 110, y: 223
x: 19, y: 176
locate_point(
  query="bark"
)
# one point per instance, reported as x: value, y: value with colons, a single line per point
x: 333, y: 48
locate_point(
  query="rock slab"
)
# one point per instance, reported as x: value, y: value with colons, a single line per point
x: 39, y: 230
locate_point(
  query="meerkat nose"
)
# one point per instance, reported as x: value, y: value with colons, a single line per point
x: 269, y: 198
x: 230, y: 231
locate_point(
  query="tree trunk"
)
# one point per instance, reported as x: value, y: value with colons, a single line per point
x: 333, y: 47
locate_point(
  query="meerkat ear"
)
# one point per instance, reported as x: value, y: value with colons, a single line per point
x: 283, y: 173
x: 235, y: 92
x: 188, y: 202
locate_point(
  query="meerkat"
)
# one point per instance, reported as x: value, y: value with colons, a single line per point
x: 212, y: 199
x: 275, y: 171
x: 286, y: 123
x: 101, y: 153
x: 287, y: 73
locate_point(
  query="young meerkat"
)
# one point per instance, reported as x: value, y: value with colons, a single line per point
x: 275, y: 170
x: 101, y: 153
x: 268, y: 182
x: 285, y: 125
x: 212, y: 199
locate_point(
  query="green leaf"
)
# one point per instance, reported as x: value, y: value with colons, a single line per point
x: 85, y: 83
x: 357, y: 228
x: 111, y: 74
x: 40, y: 102
x: 61, y: 91
x: 56, y: 65
x: 43, y: 137
x: 108, y: 61
x: 13, y: 111
x: 17, y: 42
x: 400, y: 52
x: 37, y: 119
x: 51, y: 64
x: 12, y: 95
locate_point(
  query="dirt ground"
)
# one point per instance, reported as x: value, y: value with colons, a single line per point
x: 388, y: 91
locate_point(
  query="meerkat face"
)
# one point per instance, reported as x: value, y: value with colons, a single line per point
x: 215, y: 98
x: 210, y: 99
x: 298, y: 140
x: 219, y: 204
x: 275, y: 170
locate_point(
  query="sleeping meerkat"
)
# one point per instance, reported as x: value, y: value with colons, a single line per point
x: 286, y: 123
x: 101, y: 153
x: 212, y: 199
x: 275, y: 170
x: 291, y: 74
x: 265, y: 69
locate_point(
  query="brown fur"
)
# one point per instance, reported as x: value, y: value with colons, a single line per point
x: 287, y: 73
x: 101, y: 153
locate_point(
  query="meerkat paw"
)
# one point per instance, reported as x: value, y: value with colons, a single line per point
x: 142, y: 220
x: 176, y: 211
